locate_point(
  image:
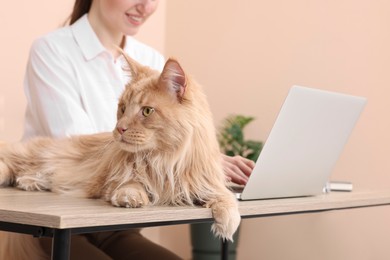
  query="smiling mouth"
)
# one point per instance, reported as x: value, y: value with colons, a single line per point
x: 134, y: 19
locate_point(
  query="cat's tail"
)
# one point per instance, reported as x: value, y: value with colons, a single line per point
x: 20, y: 247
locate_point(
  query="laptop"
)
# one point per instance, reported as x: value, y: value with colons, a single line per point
x: 304, y: 144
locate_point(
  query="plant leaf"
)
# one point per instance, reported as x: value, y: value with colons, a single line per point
x: 231, y: 138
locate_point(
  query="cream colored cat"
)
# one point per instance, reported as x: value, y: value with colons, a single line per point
x: 163, y: 151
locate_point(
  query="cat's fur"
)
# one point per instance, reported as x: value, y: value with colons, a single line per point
x: 163, y: 151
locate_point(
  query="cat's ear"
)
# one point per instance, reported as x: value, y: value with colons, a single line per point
x: 131, y: 66
x: 174, y: 78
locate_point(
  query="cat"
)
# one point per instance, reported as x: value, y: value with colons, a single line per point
x: 163, y: 151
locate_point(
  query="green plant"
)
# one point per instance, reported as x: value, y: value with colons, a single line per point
x: 231, y: 138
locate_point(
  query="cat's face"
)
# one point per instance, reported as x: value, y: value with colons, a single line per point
x: 150, y: 111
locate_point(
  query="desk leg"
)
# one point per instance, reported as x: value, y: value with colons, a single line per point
x: 224, y: 249
x: 61, y: 244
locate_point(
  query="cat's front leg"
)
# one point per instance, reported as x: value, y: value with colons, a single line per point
x: 226, y: 215
x: 130, y: 195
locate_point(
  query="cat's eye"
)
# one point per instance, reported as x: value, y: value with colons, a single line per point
x: 147, y: 111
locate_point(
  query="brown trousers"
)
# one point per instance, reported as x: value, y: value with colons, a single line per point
x: 117, y: 245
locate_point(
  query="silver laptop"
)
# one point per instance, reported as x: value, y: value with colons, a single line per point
x: 304, y: 144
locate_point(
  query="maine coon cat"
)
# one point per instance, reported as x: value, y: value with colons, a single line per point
x: 163, y: 151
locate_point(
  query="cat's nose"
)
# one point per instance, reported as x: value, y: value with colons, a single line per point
x: 121, y: 129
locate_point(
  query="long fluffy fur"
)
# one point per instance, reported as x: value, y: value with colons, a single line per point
x: 168, y: 158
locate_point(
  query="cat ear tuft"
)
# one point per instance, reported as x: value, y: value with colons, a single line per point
x: 131, y: 66
x: 174, y: 78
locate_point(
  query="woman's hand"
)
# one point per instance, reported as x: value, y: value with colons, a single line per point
x: 237, y: 168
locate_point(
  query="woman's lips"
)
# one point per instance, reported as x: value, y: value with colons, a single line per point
x: 134, y: 19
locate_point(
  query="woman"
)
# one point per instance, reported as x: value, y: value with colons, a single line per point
x: 73, y: 81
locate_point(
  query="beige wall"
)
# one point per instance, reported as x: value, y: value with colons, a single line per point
x: 20, y: 23
x: 247, y: 54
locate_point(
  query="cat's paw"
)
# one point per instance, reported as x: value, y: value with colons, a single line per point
x: 33, y: 183
x: 226, y: 220
x: 129, y: 197
x: 5, y: 175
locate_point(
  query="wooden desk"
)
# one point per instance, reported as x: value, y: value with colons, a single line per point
x: 59, y: 216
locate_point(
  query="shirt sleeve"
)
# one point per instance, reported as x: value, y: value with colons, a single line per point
x: 54, y: 106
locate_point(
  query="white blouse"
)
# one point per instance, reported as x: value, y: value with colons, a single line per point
x: 72, y: 83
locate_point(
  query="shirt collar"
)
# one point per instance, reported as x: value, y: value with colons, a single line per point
x: 86, y: 38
